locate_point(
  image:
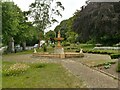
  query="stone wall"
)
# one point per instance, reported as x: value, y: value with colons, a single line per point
x: 66, y: 55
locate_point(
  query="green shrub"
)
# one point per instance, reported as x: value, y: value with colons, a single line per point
x: 97, y: 52
x: 118, y: 67
x: 44, y: 48
x: 15, y: 69
x: 38, y: 65
x: 52, y: 45
x: 66, y: 44
x: 115, y: 56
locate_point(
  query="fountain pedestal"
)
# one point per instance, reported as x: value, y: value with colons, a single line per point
x: 59, y: 49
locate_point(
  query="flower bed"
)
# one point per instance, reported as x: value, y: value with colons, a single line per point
x: 15, y: 69
x: 110, y: 68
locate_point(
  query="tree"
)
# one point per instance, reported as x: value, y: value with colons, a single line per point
x: 71, y: 37
x: 66, y: 30
x: 50, y: 35
x: 26, y: 33
x: 10, y: 23
x: 99, y: 23
x: 43, y: 14
x: 15, y: 26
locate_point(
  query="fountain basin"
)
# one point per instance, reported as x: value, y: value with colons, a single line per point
x: 58, y: 39
x: 65, y: 55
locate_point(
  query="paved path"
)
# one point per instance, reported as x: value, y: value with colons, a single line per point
x: 92, y: 78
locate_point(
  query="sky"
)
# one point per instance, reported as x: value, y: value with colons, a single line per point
x: 70, y: 7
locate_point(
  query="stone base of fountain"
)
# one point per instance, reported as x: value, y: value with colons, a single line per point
x: 59, y: 50
x: 65, y: 55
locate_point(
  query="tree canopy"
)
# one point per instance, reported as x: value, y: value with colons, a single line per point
x: 43, y: 14
x: 15, y: 27
x: 93, y: 23
x: 98, y: 23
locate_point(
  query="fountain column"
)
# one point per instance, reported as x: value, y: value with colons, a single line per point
x: 59, y: 49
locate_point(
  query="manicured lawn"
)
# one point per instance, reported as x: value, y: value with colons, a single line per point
x: 40, y: 75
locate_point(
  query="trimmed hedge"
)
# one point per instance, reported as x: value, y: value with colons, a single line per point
x: 118, y: 67
x: 115, y: 56
x: 96, y: 52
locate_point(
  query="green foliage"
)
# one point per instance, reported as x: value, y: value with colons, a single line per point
x: 44, y: 48
x: 50, y: 35
x: 38, y: 65
x: 115, y: 56
x: 66, y: 43
x: 15, y: 25
x: 98, y: 23
x: 98, y: 52
x: 10, y: 20
x: 65, y: 28
x: 71, y: 36
x: 86, y: 46
x: 118, y: 67
x: 43, y: 12
x: 107, y: 65
x: 52, y: 45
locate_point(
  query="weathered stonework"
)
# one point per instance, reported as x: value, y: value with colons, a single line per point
x: 59, y: 50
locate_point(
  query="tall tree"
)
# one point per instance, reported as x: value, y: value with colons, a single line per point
x: 43, y: 12
x: 10, y: 23
x: 98, y: 22
x: 66, y: 30
x: 15, y: 26
x: 50, y: 35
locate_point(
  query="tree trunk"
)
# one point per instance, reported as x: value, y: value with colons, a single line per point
x: 11, y: 47
x: 24, y: 45
x: 39, y: 44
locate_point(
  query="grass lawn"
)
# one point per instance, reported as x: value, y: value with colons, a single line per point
x: 40, y: 75
x: 95, y: 62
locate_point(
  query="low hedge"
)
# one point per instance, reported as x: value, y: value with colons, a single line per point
x: 96, y: 52
x: 118, y: 67
x: 115, y: 56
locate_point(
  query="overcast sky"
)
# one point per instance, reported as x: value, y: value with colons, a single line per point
x: 70, y: 7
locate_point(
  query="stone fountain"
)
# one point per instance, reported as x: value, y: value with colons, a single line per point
x: 59, y: 51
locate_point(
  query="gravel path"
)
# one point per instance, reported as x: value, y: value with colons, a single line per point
x: 92, y: 78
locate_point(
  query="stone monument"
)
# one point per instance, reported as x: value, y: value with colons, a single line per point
x: 59, y: 49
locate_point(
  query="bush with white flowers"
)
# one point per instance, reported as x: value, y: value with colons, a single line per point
x: 16, y: 69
